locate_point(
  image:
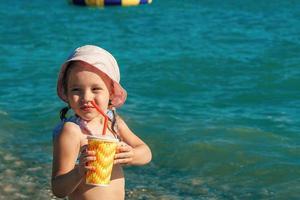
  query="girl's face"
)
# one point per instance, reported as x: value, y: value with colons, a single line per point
x: 84, y: 85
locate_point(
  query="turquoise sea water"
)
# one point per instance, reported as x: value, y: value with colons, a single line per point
x: 213, y: 88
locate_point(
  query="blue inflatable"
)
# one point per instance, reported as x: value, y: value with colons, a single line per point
x: 110, y: 2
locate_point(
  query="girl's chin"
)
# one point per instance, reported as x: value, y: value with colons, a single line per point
x: 90, y: 117
x: 87, y: 117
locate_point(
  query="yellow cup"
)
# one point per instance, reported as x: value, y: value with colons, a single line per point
x: 105, y: 149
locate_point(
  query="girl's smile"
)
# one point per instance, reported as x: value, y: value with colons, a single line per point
x: 87, y: 108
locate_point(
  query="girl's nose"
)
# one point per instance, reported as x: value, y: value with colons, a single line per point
x: 87, y: 97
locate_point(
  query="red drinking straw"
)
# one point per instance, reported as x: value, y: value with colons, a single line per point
x: 103, y: 114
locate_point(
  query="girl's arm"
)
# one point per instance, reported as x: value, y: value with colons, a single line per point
x: 132, y: 151
x: 65, y: 176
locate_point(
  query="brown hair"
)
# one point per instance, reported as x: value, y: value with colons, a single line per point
x: 63, y: 111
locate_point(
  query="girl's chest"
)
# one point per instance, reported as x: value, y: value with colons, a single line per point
x: 84, y: 137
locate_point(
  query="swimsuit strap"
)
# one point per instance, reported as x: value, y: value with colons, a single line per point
x: 80, y: 122
x: 56, y: 131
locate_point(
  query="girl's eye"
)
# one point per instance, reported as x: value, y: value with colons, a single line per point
x: 97, y: 89
x: 75, y: 89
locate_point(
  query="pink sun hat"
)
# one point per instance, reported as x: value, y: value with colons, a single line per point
x: 101, y: 60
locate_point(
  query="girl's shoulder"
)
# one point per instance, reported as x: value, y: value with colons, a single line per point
x: 120, y: 121
x: 71, y: 124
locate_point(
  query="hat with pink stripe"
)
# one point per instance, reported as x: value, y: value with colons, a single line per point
x: 101, y: 60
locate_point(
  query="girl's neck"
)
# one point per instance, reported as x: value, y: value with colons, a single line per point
x: 94, y: 127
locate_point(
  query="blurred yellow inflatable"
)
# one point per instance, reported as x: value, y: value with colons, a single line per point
x: 110, y: 2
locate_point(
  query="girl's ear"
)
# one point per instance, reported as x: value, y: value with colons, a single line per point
x: 111, y: 94
x: 111, y: 90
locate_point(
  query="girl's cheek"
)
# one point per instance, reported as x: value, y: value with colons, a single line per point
x: 75, y: 98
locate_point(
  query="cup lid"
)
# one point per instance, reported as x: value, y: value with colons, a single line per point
x: 102, y: 137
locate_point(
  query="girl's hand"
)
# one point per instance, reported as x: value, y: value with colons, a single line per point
x: 84, y: 158
x: 124, y: 154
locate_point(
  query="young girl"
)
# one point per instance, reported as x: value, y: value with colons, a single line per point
x: 91, y: 74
